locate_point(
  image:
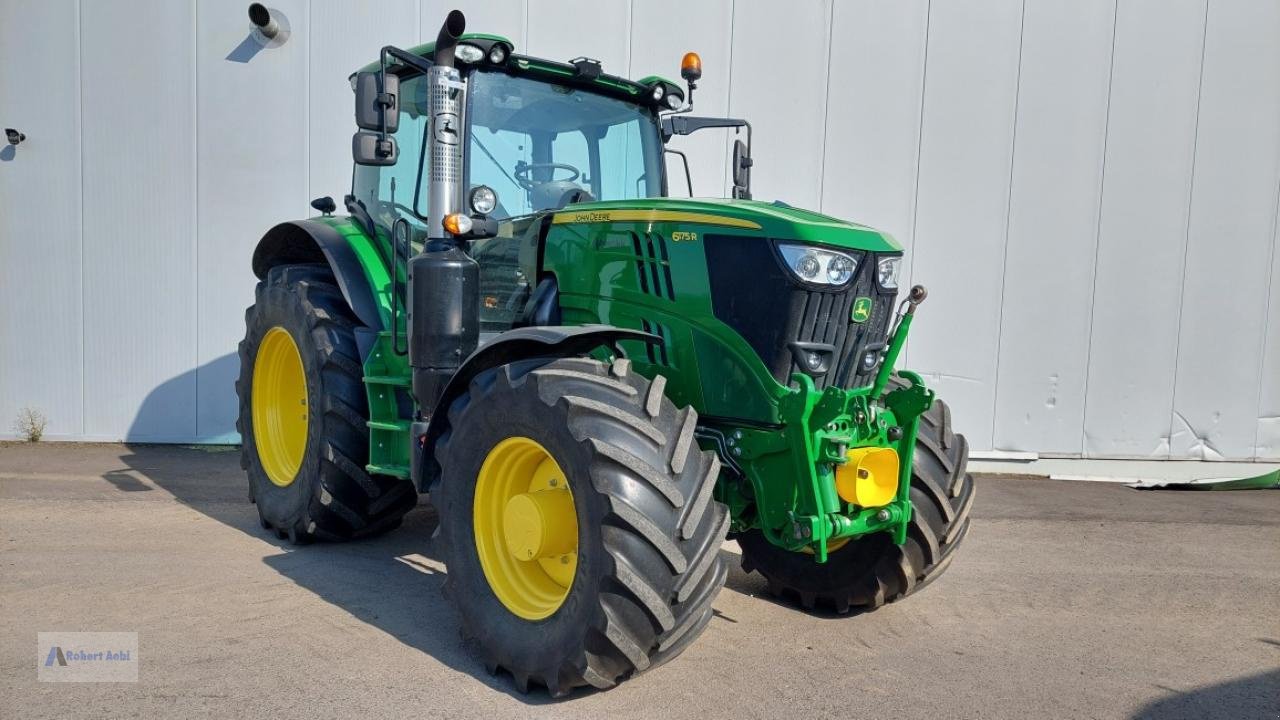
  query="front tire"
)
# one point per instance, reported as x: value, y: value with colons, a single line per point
x: 647, y: 537
x: 868, y: 572
x: 303, y: 411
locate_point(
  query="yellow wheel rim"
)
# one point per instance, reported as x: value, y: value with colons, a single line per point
x: 526, y: 528
x: 279, y: 400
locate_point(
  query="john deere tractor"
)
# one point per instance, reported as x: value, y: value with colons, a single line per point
x: 596, y: 383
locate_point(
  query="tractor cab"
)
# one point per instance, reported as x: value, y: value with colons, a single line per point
x: 535, y: 137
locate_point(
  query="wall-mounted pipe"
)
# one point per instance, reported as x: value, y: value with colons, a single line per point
x: 264, y: 20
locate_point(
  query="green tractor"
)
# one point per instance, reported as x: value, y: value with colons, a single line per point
x: 596, y: 383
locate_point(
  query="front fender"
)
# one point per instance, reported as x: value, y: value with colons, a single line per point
x: 549, y: 341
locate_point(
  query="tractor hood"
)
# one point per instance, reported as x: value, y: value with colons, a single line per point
x: 775, y: 220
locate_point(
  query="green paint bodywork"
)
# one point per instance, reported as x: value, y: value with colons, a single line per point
x: 786, y: 440
x: 386, y: 373
x: 780, y: 444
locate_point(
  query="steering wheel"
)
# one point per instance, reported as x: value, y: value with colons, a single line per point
x: 523, y: 169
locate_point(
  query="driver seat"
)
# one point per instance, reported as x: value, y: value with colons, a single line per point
x: 556, y: 194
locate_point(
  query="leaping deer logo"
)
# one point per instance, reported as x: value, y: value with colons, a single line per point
x: 861, y: 310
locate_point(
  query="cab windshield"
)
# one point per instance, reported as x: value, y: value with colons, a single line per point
x: 541, y: 146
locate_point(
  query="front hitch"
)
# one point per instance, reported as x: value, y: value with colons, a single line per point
x: 793, y: 470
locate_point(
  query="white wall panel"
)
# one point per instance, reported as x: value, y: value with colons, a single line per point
x: 1268, y: 430
x: 1143, y: 232
x: 40, y: 269
x: 1053, y: 224
x: 139, y: 95
x: 971, y: 80
x: 657, y: 46
x: 565, y: 29
x: 779, y: 84
x: 251, y: 157
x: 873, y: 113
x: 1230, y: 236
x: 344, y: 37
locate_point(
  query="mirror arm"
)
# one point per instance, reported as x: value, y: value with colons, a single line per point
x: 404, y: 57
x: 385, y: 98
x: 689, y: 124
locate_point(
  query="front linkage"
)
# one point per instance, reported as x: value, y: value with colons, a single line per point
x: 841, y: 465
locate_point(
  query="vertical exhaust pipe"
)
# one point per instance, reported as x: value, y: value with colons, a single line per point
x: 444, y: 281
x: 447, y: 97
x: 447, y: 39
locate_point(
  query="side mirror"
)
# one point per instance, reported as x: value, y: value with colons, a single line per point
x: 377, y: 113
x: 375, y: 103
x: 741, y: 171
x: 370, y: 148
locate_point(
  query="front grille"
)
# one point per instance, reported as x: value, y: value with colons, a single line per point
x: 752, y: 293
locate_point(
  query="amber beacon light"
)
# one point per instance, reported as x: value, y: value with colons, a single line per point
x: 691, y: 67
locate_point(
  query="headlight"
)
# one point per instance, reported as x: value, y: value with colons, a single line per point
x: 658, y: 92
x: 483, y: 199
x: 674, y: 101
x: 468, y: 53
x: 818, y: 266
x: 840, y: 269
x: 887, y: 272
x: 497, y: 54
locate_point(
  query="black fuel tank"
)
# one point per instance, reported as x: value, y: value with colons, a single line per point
x: 444, y: 318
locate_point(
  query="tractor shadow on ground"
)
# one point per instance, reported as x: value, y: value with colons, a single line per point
x: 1253, y: 696
x: 753, y: 585
x: 392, y: 582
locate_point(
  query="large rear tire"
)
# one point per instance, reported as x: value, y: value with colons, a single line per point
x: 303, y: 411
x: 870, y: 571
x: 645, y: 551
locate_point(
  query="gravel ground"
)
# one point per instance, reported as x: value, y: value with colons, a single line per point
x: 1067, y: 600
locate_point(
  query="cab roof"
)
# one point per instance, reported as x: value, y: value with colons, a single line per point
x: 588, y: 75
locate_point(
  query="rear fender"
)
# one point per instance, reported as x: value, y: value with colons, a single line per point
x: 312, y: 241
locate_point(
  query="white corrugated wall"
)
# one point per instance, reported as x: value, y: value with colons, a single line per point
x: 1089, y: 189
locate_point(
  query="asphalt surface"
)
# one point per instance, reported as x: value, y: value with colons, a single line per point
x: 1067, y: 600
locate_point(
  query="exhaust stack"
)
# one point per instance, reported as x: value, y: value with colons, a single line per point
x: 444, y: 281
x: 454, y: 25
x: 447, y: 98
